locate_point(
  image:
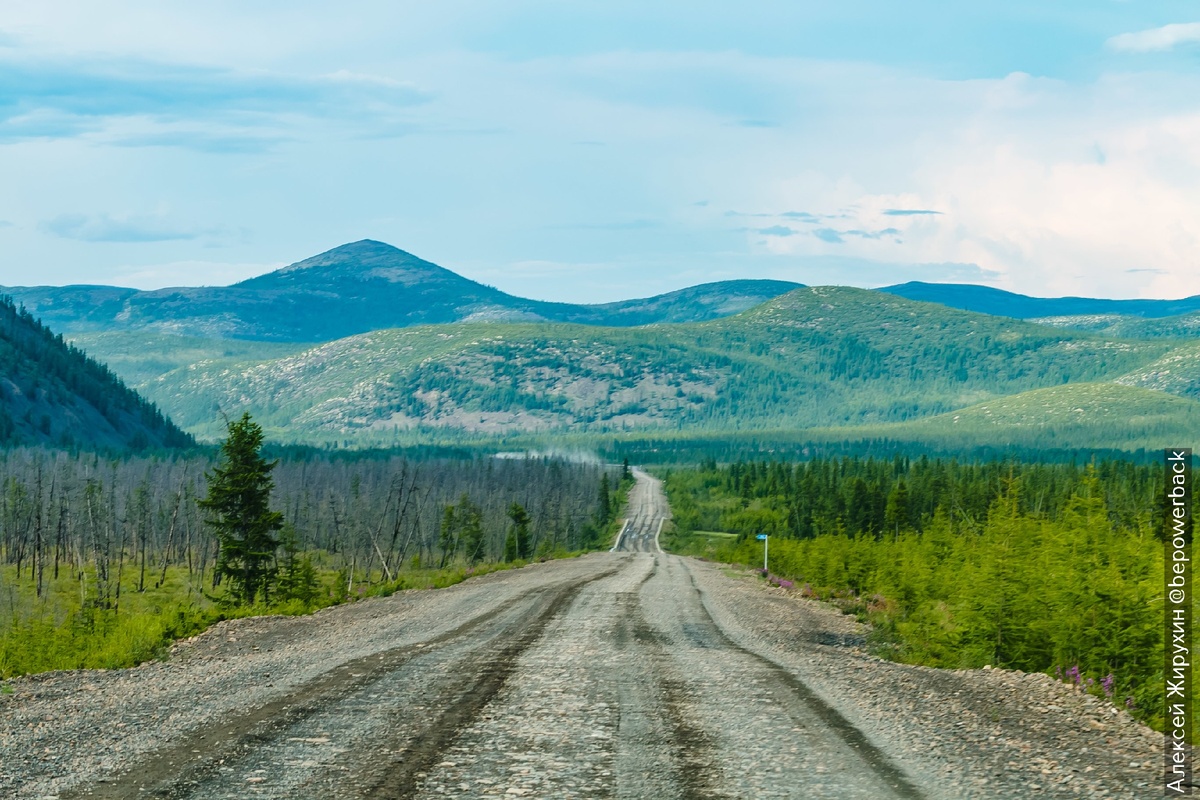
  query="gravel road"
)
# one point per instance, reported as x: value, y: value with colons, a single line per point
x: 646, y: 512
x: 614, y: 675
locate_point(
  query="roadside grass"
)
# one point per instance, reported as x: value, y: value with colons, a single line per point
x: 701, y: 544
x: 69, y: 627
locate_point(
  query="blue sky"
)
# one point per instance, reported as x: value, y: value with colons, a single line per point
x: 592, y: 151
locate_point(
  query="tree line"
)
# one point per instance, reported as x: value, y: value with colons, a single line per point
x: 853, y: 495
x: 92, y: 518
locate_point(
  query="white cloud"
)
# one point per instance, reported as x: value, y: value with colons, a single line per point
x: 103, y: 228
x: 1014, y: 167
x: 1155, y: 39
x: 133, y: 229
x: 1062, y: 226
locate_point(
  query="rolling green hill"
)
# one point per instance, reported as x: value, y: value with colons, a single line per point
x: 434, y: 356
x: 1179, y: 326
x: 356, y: 288
x: 140, y: 356
x: 815, y: 357
x: 1072, y: 422
x: 51, y: 393
x: 1074, y: 416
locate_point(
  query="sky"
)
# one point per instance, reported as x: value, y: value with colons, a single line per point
x: 595, y: 151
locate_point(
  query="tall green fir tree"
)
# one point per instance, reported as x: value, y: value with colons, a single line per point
x: 605, y: 510
x: 239, y: 513
x: 518, y: 545
x: 298, y: 579
x: 896, y: 514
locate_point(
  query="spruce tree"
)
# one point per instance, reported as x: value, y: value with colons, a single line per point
x: 604, y: 512
x: 896, y: 515
x: 239, y: 513
x: 470, y: 520
x: 448, y: 533
x: 298, y: 579
x: 517, y: 545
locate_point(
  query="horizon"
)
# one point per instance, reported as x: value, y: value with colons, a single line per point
x: 608, y: 150
x: 635, y: 297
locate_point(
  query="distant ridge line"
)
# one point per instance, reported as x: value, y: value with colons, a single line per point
x: 1001, y: 303
x: 356, y: 288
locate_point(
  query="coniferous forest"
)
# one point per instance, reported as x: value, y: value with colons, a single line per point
x: 52, y: 393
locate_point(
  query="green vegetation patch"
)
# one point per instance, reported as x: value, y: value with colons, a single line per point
x: 1037, y: 567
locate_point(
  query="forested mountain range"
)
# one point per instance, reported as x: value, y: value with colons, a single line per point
x: 434, y: 355
x: 368, y: 285
x: 828, y: 358
x: 52, y: 393
x: 356, y: 288
x: 1126, y: 318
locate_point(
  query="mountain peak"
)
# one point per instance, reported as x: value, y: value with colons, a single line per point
x: 363, y: 248
x: 364, y: 260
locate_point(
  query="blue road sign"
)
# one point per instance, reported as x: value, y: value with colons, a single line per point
x: 761, y: 536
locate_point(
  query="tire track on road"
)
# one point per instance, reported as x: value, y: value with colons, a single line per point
x: 484, y: 676
x: 693, y: 755
x: 179, y: 769
x: 658, y: 752
x: 646, y: 513
x: 788, y: 686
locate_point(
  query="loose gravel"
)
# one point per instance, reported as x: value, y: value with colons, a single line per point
x: 614, y: 675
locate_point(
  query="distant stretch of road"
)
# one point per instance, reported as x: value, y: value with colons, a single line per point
x: 647, y: 512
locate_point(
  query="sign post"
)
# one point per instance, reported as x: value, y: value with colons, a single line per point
x: 764, y: 539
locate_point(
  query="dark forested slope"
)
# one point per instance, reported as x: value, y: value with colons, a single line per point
x: 51, y: 393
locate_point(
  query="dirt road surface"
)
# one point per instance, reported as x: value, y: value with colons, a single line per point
x: 646, y: 512
x: 628, y: 674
